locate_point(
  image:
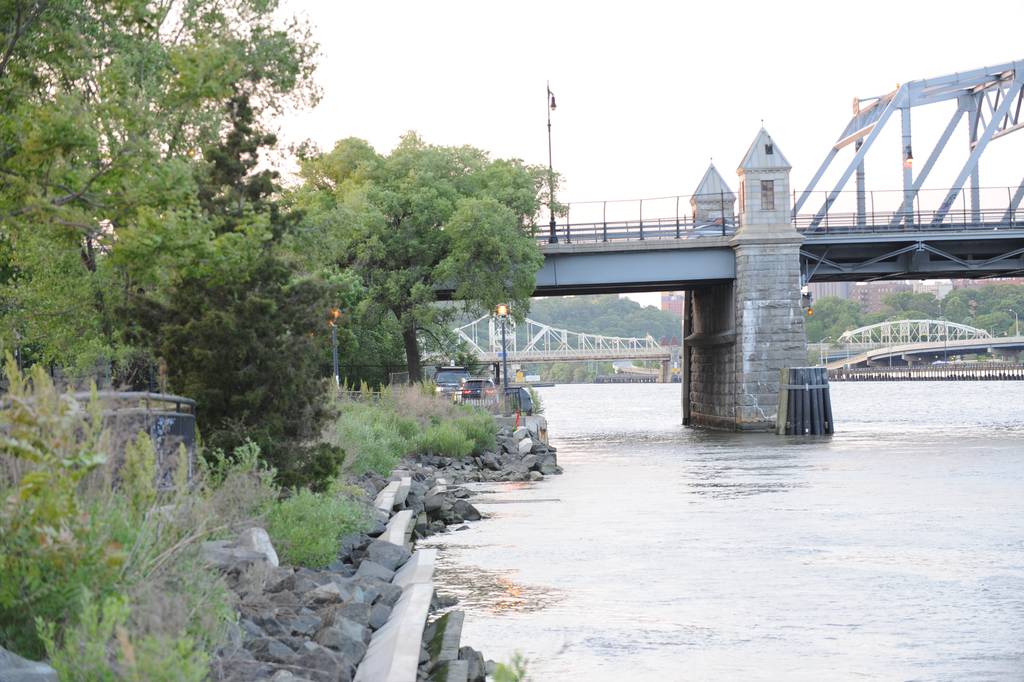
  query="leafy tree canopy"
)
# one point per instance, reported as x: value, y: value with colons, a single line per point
x: 113, y: 112
x: 606, y: 314
x: 421, y: 219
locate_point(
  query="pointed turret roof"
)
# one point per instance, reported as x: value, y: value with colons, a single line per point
x: 713, y: 185
x: 764, y: 154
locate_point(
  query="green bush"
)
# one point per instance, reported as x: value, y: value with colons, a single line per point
x: 374, y: 436
x: 86, y: 648
x: 305, y: 528
x: 446, y: 438
x: 479, y: 427
x: 66, y: 529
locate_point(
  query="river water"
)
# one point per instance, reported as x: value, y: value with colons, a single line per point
x: 892, y: 551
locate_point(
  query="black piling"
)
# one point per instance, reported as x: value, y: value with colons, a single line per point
x: 805, y: 406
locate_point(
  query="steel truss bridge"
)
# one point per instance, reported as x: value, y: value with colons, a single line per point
x: 908, y: 341
x: 532, y: 341
x: 965, y: 230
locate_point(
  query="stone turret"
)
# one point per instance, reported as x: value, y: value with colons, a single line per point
x: 764, y: 189
x: 738, y: 336
x: 712, y: 199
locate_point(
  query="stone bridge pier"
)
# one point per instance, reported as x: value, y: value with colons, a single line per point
x: 737, y: 336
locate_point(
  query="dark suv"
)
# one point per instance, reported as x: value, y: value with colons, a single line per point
x: 478, y: 390
x: 449, y: 379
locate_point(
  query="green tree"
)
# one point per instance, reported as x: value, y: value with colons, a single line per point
x: 606, y: 314
x: 109, y: 111
x: 908, y: 305
x: 421, y: 219
x: 832, y: 316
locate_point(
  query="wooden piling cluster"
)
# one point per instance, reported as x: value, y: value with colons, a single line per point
x: 805, y: 407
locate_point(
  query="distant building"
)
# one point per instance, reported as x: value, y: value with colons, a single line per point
x: 672, y: 301
x: 823, y: 289
x: 937, y: 287
x: 871, y: 295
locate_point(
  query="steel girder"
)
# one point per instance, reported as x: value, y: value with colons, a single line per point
x: 992, y: 97
x: 913, y: 256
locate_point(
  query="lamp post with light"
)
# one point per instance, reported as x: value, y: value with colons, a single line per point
x: 502, y: 312
x: 552, y: 237
x: 332, y: 320
x: 1016, y: 323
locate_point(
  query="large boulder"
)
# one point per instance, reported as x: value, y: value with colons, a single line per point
x: 257, y: 540
x: 525, y: 446
x: 225, y: 556
x: 388, y: 554
x: 14, y: 668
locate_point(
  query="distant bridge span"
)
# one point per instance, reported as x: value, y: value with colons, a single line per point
x: 545, y: 343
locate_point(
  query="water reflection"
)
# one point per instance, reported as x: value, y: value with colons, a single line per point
x: 894, y: 550
x: 495, y: 592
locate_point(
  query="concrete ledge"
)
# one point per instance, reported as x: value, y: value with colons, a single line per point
x: 394, y: 651
x: 399, y: 529
x: 418, y: 569
x: 385, y: 500
x: 404, y: 485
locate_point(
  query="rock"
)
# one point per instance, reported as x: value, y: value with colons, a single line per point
x: 445, y: 634
x: 548, y: 468
x: 387, y: 554
x: 521, y: 433
x: 222, y: 555
x: 477, y: 666
x: 352, y: 629
x: 536, y: 476
x: 355, y: 611
x: 334, y: 638
x: 389, y: 594
x: 324, y: 663
x: 450, y: 671
x: 271, y: 626
x: 525, y: 445
x: 271, y: 650
x: 14, y: 668
x: 462, y: 527
x: 491, y: 461
x: 379, y: 615
x: 284, y: 598
x: 432, y: 503
x: 530, y: 462
x: 371, y: 569
x: 251, y: 629
x: 466, y: 510
x: 305, y: 625
x: 331, y: 593
x: 257, y: 540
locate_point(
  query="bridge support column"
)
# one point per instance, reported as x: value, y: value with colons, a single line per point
x: 745, y: 332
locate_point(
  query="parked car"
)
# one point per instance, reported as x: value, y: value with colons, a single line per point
x: 525, y: 400
x: 478, y: 390
x: 449, y: 379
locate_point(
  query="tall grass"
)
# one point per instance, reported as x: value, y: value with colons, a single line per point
x: 85, y: 548
x: 403, y: 420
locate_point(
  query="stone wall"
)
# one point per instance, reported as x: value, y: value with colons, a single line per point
x: 742, y: 335
x: 769, y: 328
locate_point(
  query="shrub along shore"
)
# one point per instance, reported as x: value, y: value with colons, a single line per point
x: 107, y: 577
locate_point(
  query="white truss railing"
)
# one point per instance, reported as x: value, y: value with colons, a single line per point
x: 532, y: 340
x: 911, y: 331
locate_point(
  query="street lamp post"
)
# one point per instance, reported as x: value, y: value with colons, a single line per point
x: 333, y: 321
x: 550, y: 104
x: 502, y: 311
x: 1016, y: 323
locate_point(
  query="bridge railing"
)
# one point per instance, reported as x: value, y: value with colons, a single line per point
x: 875, y: 211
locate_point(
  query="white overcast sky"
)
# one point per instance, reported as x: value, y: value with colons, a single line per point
x: 648, y: 92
